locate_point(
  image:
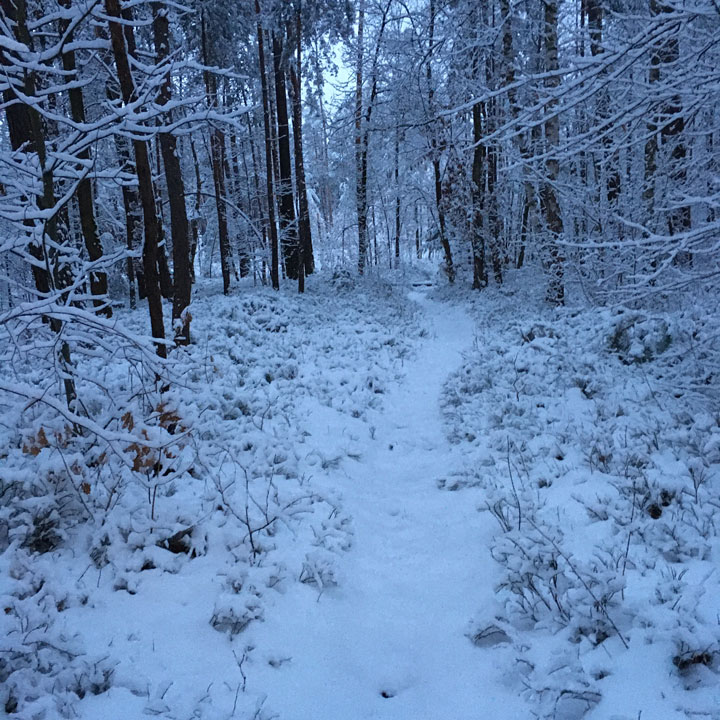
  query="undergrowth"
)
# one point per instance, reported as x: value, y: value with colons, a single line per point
x: 594, y: 446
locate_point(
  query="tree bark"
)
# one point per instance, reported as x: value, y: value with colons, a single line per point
x: 182, y: 285
x: 98, y: 279
x: 286, y: 203
x: 305, y: 234
x: 195, y: 224
x: 145, y: 184
x: 272, y: 228
x: 217, y: 160
x: 360, y: 152
x: 480, y: 278
x: 555, y: 259
x: 397, y: 197
x: 25, y: 128
x: 435, y: 152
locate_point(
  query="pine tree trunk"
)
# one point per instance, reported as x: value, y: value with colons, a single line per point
x: 480, y: 278
x: 195, y: 224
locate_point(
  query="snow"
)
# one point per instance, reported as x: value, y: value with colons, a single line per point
x: 396, y: 624
x: 388, y: 503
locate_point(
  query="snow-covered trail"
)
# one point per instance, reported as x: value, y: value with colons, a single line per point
x: 389, y: 642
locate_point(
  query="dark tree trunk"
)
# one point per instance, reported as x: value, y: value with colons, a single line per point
x: 272, y: 228
x: 480, y: 279
x: 493, y: 216
x: 548, y: 197
x: 195, y: 224
x: 25, y: 128
x: 217, y: 160
x: 182, y: 285
x: 418, y: 248
x: 435, y: 152
x: 145, y: 184
x: 98, y: 279
x: 362, y: 137
x: 286, y: 203
x: 397, y: 197
x: 360, y: 152
x: 305, y: 233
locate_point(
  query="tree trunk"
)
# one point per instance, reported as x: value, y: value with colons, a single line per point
x: 397, y: 197
x: 551, y: 208
x: 98, y: 279
x: 176, y: 190
x: 25, y: 128
x: 217, y: 160
x: 305, y: 233
x: 480, y: 278
x: 272, y: 228
x: 286, y: 203
x: 449, y: 267
x: 195, y: 224
x: 360, y: 153
x: 145, y: 184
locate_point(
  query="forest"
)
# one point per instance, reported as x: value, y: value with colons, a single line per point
x: 360, y: 359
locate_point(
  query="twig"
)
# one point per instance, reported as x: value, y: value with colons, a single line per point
x: 512, y: 484
x: 598, y: 604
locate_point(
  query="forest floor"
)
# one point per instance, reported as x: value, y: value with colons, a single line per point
x: 392, y: 502
x: 390, y: 641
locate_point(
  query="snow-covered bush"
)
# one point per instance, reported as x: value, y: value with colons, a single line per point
x: 207, y: 474
x: 592, y: 437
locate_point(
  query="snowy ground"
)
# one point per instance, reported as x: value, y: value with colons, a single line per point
x: 389, y: 641
x: 392, y: 503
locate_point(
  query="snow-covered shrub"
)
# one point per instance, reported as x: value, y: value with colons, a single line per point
x: 638, y: 338
x: 593, y: 439
x: 207, y: 474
